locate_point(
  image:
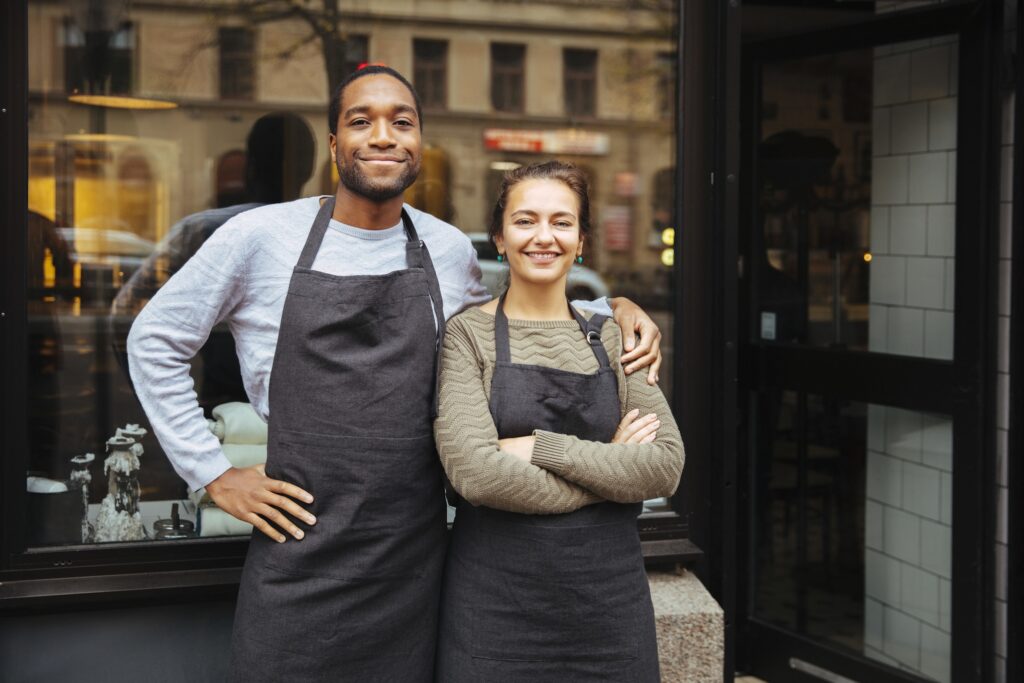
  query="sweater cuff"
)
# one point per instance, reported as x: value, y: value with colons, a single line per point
x: 549, y: 451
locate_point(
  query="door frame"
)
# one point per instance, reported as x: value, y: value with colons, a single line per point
x: 767, y: 650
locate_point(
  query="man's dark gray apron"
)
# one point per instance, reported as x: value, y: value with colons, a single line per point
x: 351, y: 407
x: 548, y: 597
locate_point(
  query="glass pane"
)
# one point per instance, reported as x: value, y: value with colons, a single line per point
x: 148, y: 129
x: 853, y: 525
x: 856, y: 169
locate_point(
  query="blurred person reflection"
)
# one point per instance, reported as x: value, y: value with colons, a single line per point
x: 280, y: 151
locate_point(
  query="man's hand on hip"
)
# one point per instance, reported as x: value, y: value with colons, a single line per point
x: 248, y: 494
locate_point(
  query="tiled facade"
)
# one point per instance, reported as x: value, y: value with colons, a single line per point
x: 908, y: 514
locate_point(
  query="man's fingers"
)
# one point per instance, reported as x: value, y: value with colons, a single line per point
x: 652, y: 374
x: 278, y: 518
x: 292, y: 490
x: 264, y: 526
x: 289, y: 506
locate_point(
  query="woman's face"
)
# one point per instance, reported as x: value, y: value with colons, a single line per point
x: 541, y: 235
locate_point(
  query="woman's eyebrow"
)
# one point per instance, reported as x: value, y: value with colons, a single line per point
x: 529, y: 212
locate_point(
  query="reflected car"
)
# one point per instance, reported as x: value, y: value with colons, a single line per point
x: 584, y: 284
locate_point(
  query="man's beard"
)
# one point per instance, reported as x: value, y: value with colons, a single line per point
x: 376, y: 190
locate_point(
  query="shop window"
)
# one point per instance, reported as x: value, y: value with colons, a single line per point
x: 507, y: 76
x: 97, y: 60
x: 430, y: 72
x: 118, y: 202
x: 580, y: 73
x: 237, y: 63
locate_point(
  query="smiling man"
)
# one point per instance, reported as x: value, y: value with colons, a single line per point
x: 337, y: 305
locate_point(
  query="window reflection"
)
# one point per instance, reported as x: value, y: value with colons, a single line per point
x: 197, y: 115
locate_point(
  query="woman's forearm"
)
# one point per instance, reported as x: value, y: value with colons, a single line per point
x: 467, y: 443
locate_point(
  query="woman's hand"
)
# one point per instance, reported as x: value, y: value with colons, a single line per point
x: 645, y: 353
x: 636, y: 429
x: 248, y: 494
x: 520, y: 446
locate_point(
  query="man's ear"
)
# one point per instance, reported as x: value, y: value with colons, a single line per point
x: 333, y: 142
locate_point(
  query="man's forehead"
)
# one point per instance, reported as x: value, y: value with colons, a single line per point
x: 379, y: 90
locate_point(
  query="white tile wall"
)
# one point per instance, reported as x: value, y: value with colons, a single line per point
x: 919, y: 594
x: 941, y: 229
x: 925, y: 281
x: 910, y: 130
x: 935, y: 653
x: 903, y: 430
x: 942, y: 124
x: 902, y: 637
x: 928, y: 173
x: 904, y: 537
x: 908, y: 229
x: 937, y: 442
x: 906, y: 331
x: 882, y: 582
x: 936, y: 547
x: 879, y: 230
x: 889, y: 177
x: 922, y: 492
x: 938, y: 335
x: 880, y: 122
x: 884, y: 479
x: 929, y: 73
x: 888, y: 280
x: 892, y: 80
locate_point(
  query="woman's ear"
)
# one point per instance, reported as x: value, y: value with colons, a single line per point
x: 499, y: 243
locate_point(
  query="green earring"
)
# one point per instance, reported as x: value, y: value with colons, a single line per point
x: 501, y: 257
x: 579, y: 259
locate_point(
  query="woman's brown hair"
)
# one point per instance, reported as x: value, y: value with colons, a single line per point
x: 573, y: 177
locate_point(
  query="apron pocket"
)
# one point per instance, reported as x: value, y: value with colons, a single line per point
x: 378, y: 503
x: 557, y: 594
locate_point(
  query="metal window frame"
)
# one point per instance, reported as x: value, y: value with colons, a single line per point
x: 973, y: 376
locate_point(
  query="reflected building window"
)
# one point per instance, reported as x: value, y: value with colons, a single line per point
x: 357, y: 53
x: 665, y: 67
x: 507, y: 76
x: 237, y: 63
x: 97, y: 60
x: 230, y: 182
x: 430, y: 72
x: 580, y: 79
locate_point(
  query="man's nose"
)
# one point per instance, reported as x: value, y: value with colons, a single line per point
x: 380, y: 134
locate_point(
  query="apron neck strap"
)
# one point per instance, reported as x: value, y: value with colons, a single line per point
x: 323, y: 221
x: 591, y: 330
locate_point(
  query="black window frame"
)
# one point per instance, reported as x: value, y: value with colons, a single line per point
x: 508, y: 77
x: 579, y: 82
x: 430, y: 72
x: 357, y: 52
x: 236, y: 63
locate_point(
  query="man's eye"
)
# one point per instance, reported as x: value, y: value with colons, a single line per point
x: 359, y: 122
x: 403, y: 122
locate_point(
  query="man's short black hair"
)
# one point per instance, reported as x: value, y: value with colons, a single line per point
x: 334, y: 111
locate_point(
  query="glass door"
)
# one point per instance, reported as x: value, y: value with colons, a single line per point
x: 855, y: 401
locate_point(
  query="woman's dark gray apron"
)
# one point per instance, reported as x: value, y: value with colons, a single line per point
x: 538, y: 598
x: 351, y: 407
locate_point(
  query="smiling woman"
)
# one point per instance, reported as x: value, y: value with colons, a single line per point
x: 553, y: 450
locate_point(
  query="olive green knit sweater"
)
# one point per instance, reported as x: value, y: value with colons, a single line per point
x: 566, y: 473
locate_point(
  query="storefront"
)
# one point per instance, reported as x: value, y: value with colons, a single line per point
x: 813, y: 200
